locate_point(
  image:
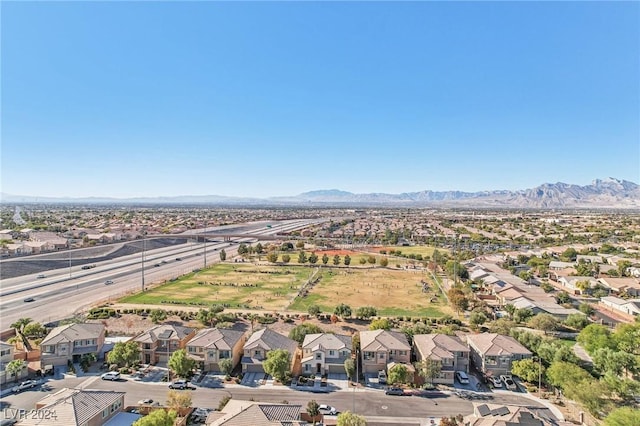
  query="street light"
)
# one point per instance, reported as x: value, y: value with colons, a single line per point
x: 144, y: 241
x: 539, y: 376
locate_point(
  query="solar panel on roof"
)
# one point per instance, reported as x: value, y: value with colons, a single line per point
x: 483, y: 410
x: 165, y: 334
x: 500, y: 411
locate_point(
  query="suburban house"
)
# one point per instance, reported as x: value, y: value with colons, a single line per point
x: 508, y: 415
x: 628, y: 285
x: 616, y: 304
x: 69, y: 342
x: 238, y: 412
x: 6, y: 356
x: 448, y: 351
x: 382, y: 347
x: 211, y: 345
x: 158, y: 343
x: 492, y: 354
x: 545, y: 307
x: 78, y: 407
x: 573, y: 283
x: 259, y: 344
x: 324, y: 353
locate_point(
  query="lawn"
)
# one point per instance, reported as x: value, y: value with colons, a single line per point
x: 393, y: 291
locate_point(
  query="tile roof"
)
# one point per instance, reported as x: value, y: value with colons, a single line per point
x: 164, y: 332
x: 73, y: 332
x: 492, y: 344
x: 269, y: 339
x: 438, y: 346
x: 222, y: 339
x: 75, y: 406
x: 375, y: 340
x: 251, y: 413
x: 324, y: 341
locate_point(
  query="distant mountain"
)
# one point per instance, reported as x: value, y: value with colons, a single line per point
x: 608, y: 193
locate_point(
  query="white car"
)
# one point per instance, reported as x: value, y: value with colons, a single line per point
x: 327, y: 410
x: 24, y: 385
x: 462, y: 377
x: 495, y: 382
x: 111, y: 375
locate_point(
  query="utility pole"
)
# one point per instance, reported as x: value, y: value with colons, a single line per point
x: 144, y: 241
x: 69, y: 244
x: 205, y: 244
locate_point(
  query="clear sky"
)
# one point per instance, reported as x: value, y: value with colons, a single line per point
x: 129, y: 99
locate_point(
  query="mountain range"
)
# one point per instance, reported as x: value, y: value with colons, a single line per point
x: 607, y: 193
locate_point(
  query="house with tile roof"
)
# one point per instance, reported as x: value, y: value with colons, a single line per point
x: 158, y: 343
x: 378, y: 348
x: 259, y: 344
x: 77, y: 407
x: 7, y: 352
x: 254, y: 413
x: 448, y: 351
x: 324, y: 353
x: 492, y: 354
x: 210, y: 345
x: 69, y: 342
x: 511, y: 415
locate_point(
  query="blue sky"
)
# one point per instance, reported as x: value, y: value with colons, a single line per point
x: 276, y: 98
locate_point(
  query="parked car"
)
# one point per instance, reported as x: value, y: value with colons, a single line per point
x: 394, y: 391
x: 508, y: 381
x: 495, y: 382
x: 327, y: 410
x: 180, y: 384
x: 146, y: 401
x: 111, y: 375
x: 28, y: 384
x: 462, y: 377
x: 382, y: 377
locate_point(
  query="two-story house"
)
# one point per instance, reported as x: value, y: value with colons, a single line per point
x: 258, y: 346
x: 6, y: 356
x: 378, y: 348
x: 158, y: 343
x: 210, y: 345
x: 69, y: 342
x: 492, y: 354
x: 77, y: 407
x: 451, y: 354
x: 324, y: 353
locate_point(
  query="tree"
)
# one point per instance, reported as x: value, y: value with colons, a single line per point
x: 623, y: 416
x: 398, y: 374
x: 511, y: 310
x: 299, y: 332
x: 380, y: 324
x: 300, y: 244
x: 372, y: 260
x: 458, y: 299
x: 313, y: 410
x: 272, y: 257
x: 226, y: 366
x: 502, y: 326
x: 181, y: 364
x: 209, y: 317
x: 477, y: 318
x: 223, y: 255
x: 366, y: 312
x: 347, y: 260
x: 563, y: 373
x: 302, y: 257
x: 34, y: 329
x: 627, y: 336
x: 286, y: 258
x: 363, y: 260
x: 349, y: 419
x: 158, y: 315
x: 178, y: 399
x: 563, y: 297
x: 522, y: 315
x: 595, y: 336
x: 569, y: 255
x: 343, y: 311
x: 586, y: 308
x: 336, y: 260
x: 428, y: 369
x: 277, y: 364
x: 325, y: 259
x: 623, y: 265
x: 157, y: 418
x: 14, y: 367
x: 606, y: 360
x: 313, y: 310
x: 243, y: 249
x: 350, y: 367
x: 124, y: 354
x: 259, y: 248
x: 451, y: 421
x: 544, y: 322
x: 527, y: 369
x: 576, y: 321
x: 20, y: 324
x: 313, y: 258
x: 384, y: 262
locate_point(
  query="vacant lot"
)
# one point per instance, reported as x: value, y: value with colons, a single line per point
x: 295, y: 287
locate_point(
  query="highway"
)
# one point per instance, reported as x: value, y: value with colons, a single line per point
x: 65, y: 292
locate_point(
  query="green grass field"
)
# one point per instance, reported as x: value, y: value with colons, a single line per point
x: 269, y: 287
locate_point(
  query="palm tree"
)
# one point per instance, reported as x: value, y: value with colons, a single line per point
x: 20, y: 324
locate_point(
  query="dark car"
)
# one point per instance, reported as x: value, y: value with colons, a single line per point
x: 29, y: 299
x: 394, y: 391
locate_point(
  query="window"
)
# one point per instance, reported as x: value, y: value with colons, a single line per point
x: 403, y: 353
x: 319, y: 355
x: 368, y: 356
x: 200, y: 349
x: 307, y: 367
x: 191, y: 349
x: 3, y: 353
x: 147, y: 346
x: 332, y: 353
x: 224, y: 354
x: 381, y: 355
x: 491, y: 361
x: 257, y: 352
x: 211, y: 354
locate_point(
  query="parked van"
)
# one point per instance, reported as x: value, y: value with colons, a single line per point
x: 462, y: 377
x: 111, y: 375
x: 382, y: 377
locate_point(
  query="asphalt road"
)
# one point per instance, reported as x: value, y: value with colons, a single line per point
x: 57, y: 296
x: 373, y: 404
